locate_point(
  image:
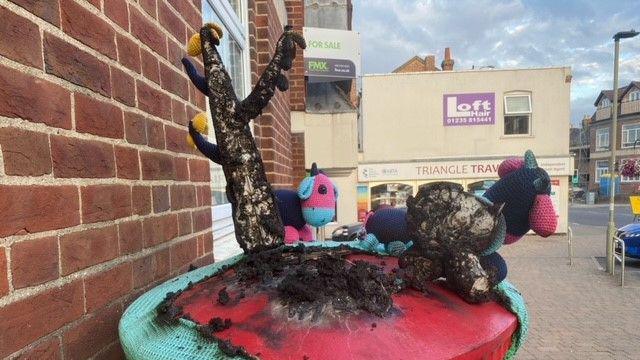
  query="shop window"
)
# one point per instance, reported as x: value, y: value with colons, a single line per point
x: 390, y: 195
x: 602, y: 167
x: 517, y: 114
x: 602, y: 139
x: 630, y: 134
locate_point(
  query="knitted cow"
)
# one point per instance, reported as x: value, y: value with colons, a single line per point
x: 445, y: 228
x: 314, y: 204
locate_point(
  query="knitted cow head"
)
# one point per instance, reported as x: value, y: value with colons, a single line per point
x: 318, y: 197
x: 524, y: 188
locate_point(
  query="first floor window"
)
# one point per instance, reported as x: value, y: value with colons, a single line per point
x: 602, y: 139
x: 602, y: 167
x: 605, y: 102
x: 630, y: 134
x: 517, y: 114
x: 634, y: 95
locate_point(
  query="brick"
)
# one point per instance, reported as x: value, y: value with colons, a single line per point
x: 173, y: 82
x: 76, y: 66
x: 49, y: 349
x: 150, y: 66
x: 95, y: 3
x: 153, y: 101
x: 201, y: 220
x: 188, y: 12
x: 204, y: 195
x: 159, y: 229
x: 111, y: 352
x: 29, y: 319
x: 107, y: 286
x: 162, y: 264
x: 172, y: 22
x: 87, y: 28
x: 199, y: 170
x: 123, y: 87
x: 34, y: 262
x: 183, y: 196
x: 147, y: 32
x: 143, y: 271
x: 176, y: 53
x: 46, y: 10
x: 4, y: 277
x: 156, y: 166
x: 86, y: 248
x: 128, y: 53
x: 182, y: 168
x: 177, y: 140
x: 135, y: 128
x: 127, y: 164
x: 130, y: 237
x: 117, y: 11
x: 179, y: 112
x: 141, y: 200
x: 105, y: 202
x: 25, y: 153
x: 149, y: 7
x: 17, y: 30
x: 93, y: 333
x: 184, y: 223
x: 160, y: 199
x: 76, y: 158
x: 155, y: 134
x: 183, y: 253
x: 31, y: 209
x: 34, y: 99
x: 208, y: 242
x: 98, y: 117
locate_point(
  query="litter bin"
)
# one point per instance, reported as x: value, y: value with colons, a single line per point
x: 591, y: 198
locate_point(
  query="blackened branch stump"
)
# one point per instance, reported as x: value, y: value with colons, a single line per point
x: 256, y: 219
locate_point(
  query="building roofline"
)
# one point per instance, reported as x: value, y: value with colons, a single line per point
x: 415, y: 57
x: 463, y: 71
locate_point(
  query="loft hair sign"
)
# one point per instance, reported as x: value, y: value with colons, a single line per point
x: 469, y: 109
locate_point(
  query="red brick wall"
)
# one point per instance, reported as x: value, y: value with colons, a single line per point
x: 273, y: 128
x: 100, y: 198
x: 297, y: 148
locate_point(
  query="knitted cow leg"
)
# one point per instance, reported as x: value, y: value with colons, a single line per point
x: 419, y: 271
x: 306, y: 233
x: 466, y: 276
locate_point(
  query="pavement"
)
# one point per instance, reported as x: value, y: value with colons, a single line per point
x: 577, y: 311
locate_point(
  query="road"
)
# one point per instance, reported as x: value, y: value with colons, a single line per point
x: 598, y: 215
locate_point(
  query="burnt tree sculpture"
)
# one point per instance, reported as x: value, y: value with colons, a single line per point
x: 255, y: 215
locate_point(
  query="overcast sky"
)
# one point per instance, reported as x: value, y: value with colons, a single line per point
x: 506, y: 34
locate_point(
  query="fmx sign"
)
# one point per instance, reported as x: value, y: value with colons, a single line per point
x: 331, y: 54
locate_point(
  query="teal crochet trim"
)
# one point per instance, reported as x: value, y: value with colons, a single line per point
x: 514, y: 302
x: 142, y: 337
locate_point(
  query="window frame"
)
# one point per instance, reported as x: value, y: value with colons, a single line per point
x: 507, y: 113
x: 634, y: 95
x: 597, y: 167
x: 603, y: 101
x: 625, y: 144
x: 600, y: 147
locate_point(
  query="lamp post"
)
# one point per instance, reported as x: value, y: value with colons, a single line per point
x: 611, y: 228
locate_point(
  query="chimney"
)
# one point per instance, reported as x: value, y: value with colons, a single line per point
x: 430, y: 63
x: 447, y: 63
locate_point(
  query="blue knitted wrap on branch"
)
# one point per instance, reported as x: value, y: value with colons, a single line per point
x: 142, y: 337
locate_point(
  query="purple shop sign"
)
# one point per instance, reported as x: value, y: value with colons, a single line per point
x: 469, y: 109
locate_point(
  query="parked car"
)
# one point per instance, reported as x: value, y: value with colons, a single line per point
x: 630, y: 234
x: 348, y: 232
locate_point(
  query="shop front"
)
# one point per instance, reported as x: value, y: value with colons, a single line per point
x: 390, y: 184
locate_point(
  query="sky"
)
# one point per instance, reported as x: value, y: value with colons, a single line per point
x: 506, y: 34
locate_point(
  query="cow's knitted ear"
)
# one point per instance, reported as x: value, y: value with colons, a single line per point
x: 510, y: 165
x: 306, y: 188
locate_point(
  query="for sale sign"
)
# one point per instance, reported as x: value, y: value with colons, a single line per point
x: 469, y: 109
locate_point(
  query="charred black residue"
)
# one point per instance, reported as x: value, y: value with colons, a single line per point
x: 223, y: 296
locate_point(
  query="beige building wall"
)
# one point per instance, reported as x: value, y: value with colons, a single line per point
x: 403, y: 114
x: 331, y: 141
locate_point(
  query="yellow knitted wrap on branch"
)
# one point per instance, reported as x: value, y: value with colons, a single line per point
x: 194, y: 47
x: 201, y: 125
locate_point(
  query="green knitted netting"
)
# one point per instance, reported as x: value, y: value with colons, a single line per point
x: 142, y: 337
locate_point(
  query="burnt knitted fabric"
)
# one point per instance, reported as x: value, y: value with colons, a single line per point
x: 494, y: 263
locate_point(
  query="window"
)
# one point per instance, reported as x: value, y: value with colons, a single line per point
x: 634, y: 95
x: 517, y: 114
x: 602, y: 139
x: 630, y: 134
x: 602, y: 167
x: 605, y: 102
